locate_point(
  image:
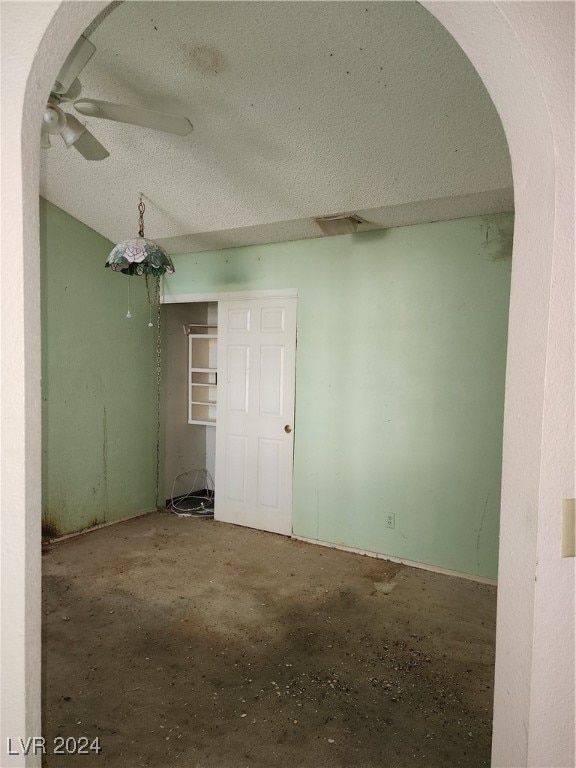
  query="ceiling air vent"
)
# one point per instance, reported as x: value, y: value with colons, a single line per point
x: 339, y: 224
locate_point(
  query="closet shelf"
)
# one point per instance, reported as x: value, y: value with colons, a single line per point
x: 202, y: 372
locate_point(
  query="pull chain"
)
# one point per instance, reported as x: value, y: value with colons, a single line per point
x: 128, y: 314
x: 158, y: 387
x: 151, y: 301
x: 141, y: 209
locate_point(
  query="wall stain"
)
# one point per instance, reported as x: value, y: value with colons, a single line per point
x: 54, y: 513
x: 50, y: 527
x: 498, y: 237
x: 207, y: 60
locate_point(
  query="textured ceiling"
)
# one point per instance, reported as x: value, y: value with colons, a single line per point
x: 299, y: 110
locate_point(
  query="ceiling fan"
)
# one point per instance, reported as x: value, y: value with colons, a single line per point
x: 67, y: 89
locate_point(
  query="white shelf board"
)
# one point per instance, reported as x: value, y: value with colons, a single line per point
x: 202, y: 335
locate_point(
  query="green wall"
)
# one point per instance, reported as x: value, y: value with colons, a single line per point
x: 98, y: 382
x: 399, y: 386
x: 400, y: 381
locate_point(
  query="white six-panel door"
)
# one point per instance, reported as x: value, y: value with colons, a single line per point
x: 255, y: 417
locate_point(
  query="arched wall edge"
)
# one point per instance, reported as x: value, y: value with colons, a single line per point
x: 508, y: 48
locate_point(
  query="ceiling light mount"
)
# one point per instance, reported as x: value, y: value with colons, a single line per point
x: 339, y: 223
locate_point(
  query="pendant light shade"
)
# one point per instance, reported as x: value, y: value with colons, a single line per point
x: 140, y: 256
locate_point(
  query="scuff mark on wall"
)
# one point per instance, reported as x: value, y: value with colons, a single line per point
x: 481, y: 526
x: 498, y: 237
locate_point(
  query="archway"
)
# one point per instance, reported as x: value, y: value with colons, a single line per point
x: 524, y: 58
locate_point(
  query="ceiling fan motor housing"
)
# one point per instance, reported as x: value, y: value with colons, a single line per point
x: 54, y: 119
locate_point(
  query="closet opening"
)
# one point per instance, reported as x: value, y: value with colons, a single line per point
x: 189, y: 405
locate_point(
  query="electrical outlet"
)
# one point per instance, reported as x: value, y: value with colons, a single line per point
x: 390, y: 520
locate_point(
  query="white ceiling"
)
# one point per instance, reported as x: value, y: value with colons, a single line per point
x: 300, y: 109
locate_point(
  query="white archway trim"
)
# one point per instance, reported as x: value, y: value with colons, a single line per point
x: 524, y: 54
x: 35, y: 40
x: 524, y: 374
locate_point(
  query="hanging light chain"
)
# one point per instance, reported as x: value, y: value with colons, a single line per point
x: 158, y: 388
x: 141, y: 209
x: 154, y: 300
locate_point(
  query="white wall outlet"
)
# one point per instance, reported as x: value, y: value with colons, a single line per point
x: 390, y: 520
x: 569, y: 528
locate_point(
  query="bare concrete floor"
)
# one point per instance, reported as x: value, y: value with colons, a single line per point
x: 191, y: 643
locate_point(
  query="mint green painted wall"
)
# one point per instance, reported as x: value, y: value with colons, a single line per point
x: 98, y: 381
x: 400, y: 381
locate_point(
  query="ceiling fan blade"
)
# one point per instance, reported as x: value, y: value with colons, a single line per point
x: 146, y: 118
x: 76, y: 135
x: 90, y: 148
x: 77, y: 59
x: 72, y: 93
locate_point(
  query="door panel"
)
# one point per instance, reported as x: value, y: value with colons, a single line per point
x: 269, y: 453
x: 235, y: 470
x: 237, y: 369
x: 272, y: 320
x: 238, y: 320
x: 271, y: 380
x: 256, y: 379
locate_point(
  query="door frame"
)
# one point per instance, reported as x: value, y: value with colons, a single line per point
x: 217, y: 296
x: 196, y: 298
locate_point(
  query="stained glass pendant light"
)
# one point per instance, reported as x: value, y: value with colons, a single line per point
x: 140, y: 256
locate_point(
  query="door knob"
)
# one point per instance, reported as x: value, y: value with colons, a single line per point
x: 288, y: 428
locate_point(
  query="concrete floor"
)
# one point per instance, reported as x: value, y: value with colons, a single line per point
x: 200, y: 644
